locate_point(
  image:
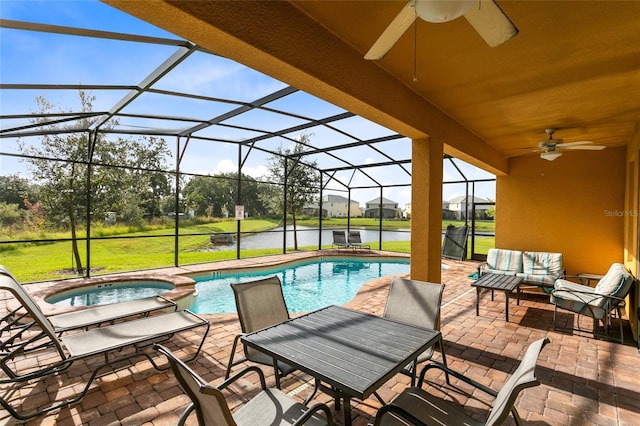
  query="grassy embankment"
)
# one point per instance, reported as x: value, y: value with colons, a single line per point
x: 129, y: 250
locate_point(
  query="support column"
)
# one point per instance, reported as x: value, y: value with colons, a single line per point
x: 426, y: 209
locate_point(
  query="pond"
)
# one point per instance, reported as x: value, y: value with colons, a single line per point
x: 309, y: 237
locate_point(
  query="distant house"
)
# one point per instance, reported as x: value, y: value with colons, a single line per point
x: 407, y: 211
x: 390, y: 209
x: 462, y: 206
x: 334, y: 206
x: 447, y: 213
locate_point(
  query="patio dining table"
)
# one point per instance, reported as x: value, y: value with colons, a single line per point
x: 350, y: 353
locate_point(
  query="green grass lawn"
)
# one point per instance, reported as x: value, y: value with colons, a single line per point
x: 130, y: 251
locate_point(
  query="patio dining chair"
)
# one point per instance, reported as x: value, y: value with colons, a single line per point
x: 598, y: 302
x: 33, y: 350
x: 259, y: 304
x: 96, y: 315
x: 270, y: 407
x: 355, y: 241
x: 340, y: 240
x: 417, y: 303
x: 416, y: 406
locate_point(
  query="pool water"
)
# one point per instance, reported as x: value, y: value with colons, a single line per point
x: 307, y: 286
x: 110, y: 293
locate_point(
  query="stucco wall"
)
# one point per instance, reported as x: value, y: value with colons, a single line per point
x: 632, y: 225
x: 574, y: 205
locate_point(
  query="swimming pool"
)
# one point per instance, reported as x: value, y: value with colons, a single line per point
x: 307, y: 285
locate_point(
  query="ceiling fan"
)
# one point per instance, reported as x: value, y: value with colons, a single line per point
x: 551, y: 148
x: 486, y: 17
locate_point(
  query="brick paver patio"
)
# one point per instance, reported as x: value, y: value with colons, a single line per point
x: 584, y: 381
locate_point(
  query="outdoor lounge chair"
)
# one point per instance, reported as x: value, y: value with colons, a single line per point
x: 355, y: 241
x: 596, y: 302
x: 454, y: 243
x: 269, y: 407
x: 259, y: 304
x: 96, y: 315
x: 32, y: 350
x: 339, y: 240
x: 418, y: 407
x: 416, y: 303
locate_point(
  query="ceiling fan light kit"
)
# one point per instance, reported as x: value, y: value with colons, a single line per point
x: 551, y: 148
x: 485, y: 16
x: 442, y: 10
x: 550, y: 155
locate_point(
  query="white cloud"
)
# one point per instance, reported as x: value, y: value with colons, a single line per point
x: 229, y: 166
x: 194, y: 75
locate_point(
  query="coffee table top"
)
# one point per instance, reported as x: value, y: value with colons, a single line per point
x: 498, y: 282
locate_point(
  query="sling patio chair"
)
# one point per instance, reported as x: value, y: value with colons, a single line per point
x: 416, y: 406
x: 259, y: 304
x: 96, y: 315
x: 355, y: 241
x: 417, y: 303
x: 339, y: 240
x: 454, y: 243
x: 597, y: 302
x: 270, y: 407
x: 35, y: 351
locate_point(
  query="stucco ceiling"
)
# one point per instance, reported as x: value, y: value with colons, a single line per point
x: 574, y: 66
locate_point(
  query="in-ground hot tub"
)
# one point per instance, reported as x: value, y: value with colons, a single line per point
x: 69, y: 295
x: 110, y: 292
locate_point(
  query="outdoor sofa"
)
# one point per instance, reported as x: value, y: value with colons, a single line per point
x: 537, y: 268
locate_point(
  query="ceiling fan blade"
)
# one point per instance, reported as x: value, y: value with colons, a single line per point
x: 527, y: 152
x: 393, y: 32
x: 578, y: 143
x: 491, y: 23
x: 584, y: 147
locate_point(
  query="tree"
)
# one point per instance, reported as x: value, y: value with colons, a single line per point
x: 302, y: 180
x: 15, y: 193
x: 77, y: 169
x: 211, y: 196
x: 14, y: 190
x: 9, y: 214
x: 491, y: 211
x: 199, y: 194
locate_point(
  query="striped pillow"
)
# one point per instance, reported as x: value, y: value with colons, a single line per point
x: 504, y: 261
x: 542, y: 263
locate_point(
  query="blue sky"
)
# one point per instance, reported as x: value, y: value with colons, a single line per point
x: 36, y: 57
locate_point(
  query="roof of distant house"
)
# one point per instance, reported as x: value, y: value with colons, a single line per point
x: 462, y: 198
x: 333, y: 198
x: 384, y: 201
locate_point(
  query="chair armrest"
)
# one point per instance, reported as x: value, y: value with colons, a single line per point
x: 604, y: 302
x: 170, y: 302
x: 482, y: 267
x: 570, y: 278
x: 243, y: 372
x: 399, y: 412
x: 185, y: 414
x: 595, y: 295
x: 233, y: 353
x: 313, y: 410
x: 447, y: 370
